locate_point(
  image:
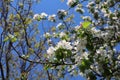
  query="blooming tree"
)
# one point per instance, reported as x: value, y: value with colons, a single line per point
x: 87, y: 49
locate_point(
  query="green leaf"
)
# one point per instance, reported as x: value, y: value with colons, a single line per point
x: 39, y: 18
x: 62, y: 53
x: 18, y: 16
x: 69, y: 18
x: 6, y: 39
x: 11, y: 16
x: 92, y: 76
x: 66, y: 37
x: 53, y: 29
x: 28, y: 21
x: 83, y: 63
x: 86, y: 24
x: 46, y: 67
x: 16, y: 34
x: 13, y: 39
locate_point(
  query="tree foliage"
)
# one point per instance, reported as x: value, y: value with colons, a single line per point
x: 64, y: 49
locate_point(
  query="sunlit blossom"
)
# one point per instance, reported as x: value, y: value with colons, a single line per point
x: 62, y: 34
x: 36, y: 16
x: 52, y: 18
x: 43, y: 15
x: 64, y: 44
x: 62, y: 13
x: 50, y: 52
x: 72, y: 3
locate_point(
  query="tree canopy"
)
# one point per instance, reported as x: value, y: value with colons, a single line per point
x: 64, y: 48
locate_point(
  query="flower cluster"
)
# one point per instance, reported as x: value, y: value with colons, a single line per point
x: 72, y: 3
x: 52, y: 18
x: 51, y: 52
x: 62, y: 13
x: 79, y: 9
x: 41, y: 16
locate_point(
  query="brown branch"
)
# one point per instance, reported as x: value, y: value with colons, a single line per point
x: 2, y: 72
x: 49, y: 78
x: 96, y: 73
x: 7, y: 68
x: 40, y: 62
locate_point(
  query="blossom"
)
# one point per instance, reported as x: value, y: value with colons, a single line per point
x: 36, y: 16
x: 104, y: 10
x: 72, y: 3
x: 94, y: 30
x: 47, y: 35
x: 60, y: 25
x: 64, y: 44
x: 77, y: 27
x: 90, y: 4
x: 52, y: 18
x: 85, y: 55
x: 43, y: 15
x: 114, y: 18
x: 40, y: 16
x: 62, y: 13
x: 50, y: 52
x: 11, y: 36
x: 62, y: 34
x: 79, y: 9
x: 86, y: 18
x: 81, y: 45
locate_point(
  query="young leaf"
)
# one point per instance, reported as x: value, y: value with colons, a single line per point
x: 13, y: 39
x: 86, y: 24
x: 6, y: 39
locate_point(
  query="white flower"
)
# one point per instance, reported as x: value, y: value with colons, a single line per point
x: 80, y: 10
x: 81, y: 74
x: 62, y: 13
x: 49, y: 41
x: 86, y: 18
x: 77, y: 27
x: 114, y: 18
x: 75, y: 43
x: 77, y: 58
x: 47, y: 35
x: 59, y: 25
x: 62, y: 34
x: 52, y: 18
x: 36, y: 16
x: 82, y: 44
x: 40, y: 16
x: 118, y: 57
x: 50, y: 52
x: 85, y: 55
x: 11, y: 36
x: 104, y: 10
x: 95, y: 30
x: 72, y: 3
x: 90, y: 4
x: 105, y: 35
x: 106, y: 15
x: 43, y: 15
x: 64, y: 44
